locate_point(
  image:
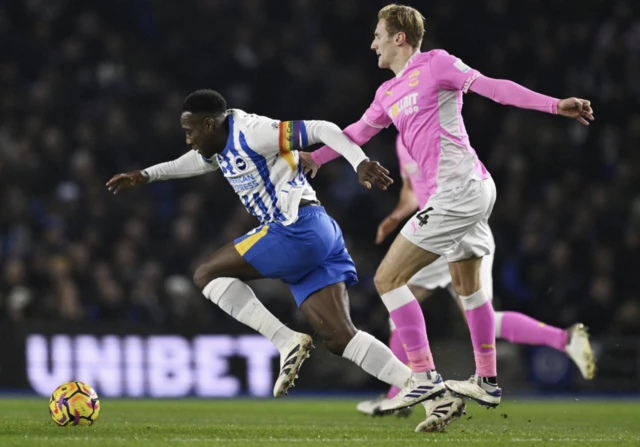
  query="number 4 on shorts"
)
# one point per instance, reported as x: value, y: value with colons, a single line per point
x: 423, y: 217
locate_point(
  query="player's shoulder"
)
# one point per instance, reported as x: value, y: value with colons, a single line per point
x: 384, y: 87
x: 246, y: 121
x: 427, y: 56
x: 240, y: 116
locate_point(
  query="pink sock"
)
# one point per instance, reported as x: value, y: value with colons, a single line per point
x: 393, y: 391
x: 395, y: 344
x: 519, y: 328
x: 407, y: 316
x: 481, y: 321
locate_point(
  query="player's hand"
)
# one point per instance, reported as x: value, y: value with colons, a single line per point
x: 370, y: 172
x: 386, y: 227
x: 308, y: 164
x: 576, y: 108
x: 127, y: 180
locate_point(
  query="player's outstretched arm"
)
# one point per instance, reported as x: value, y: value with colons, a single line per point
x: 407, y: 205
x: 127, y: 180
x: 190, y: 164
x: 452, y: 74
x: 369, y: 172
x: 509, y: 93
x: 359, y: 132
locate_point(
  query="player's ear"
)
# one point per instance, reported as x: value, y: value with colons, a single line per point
x: 208, y: 123
x: 400, y: 38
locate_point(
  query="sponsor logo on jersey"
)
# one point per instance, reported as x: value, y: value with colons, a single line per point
x: 408, y: 105
x: 243, y: 182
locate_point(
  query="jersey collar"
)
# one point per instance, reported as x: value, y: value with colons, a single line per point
x: 401, y: 72
x: 230, y: 144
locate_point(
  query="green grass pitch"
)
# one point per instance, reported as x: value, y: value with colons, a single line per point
x: 295, y: 422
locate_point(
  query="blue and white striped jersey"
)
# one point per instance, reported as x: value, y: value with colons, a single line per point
x: 260, y: 162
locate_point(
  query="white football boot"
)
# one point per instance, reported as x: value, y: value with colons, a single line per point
x: 579, y: 350
x: 291, y: 358
x: 418, y: 388
x: 441, y: 412
x: 477, y: 389
x: 371, y: 407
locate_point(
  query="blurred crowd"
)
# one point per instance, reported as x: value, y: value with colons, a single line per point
x: 92, y: 88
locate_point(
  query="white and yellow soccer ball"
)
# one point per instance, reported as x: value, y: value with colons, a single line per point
x: 74, y: 403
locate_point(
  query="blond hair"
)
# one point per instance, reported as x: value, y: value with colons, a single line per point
x: 405, y: 19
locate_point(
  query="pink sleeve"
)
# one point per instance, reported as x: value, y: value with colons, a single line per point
x: 512, y: 94
x: 451, y: 73
x: 375, y: 115
x: 359, y: 132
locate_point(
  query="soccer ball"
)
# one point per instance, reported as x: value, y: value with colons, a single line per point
x: 74, y: 403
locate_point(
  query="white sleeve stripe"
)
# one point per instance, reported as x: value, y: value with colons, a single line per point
x: 469, y: 81
x: 372, y: 124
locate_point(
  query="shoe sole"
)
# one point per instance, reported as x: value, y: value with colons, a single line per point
x: 479, y: 401
x: 285, y: 382
x: 402, y: 413
x: 588, y: 355
x: 440, y: 425
x: 409, y: 404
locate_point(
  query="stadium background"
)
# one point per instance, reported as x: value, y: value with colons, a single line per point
x: 97, y: 288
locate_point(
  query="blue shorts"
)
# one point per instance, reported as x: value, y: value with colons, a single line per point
x: 308, y: 255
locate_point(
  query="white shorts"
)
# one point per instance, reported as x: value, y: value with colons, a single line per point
x: 455, y: 224
x: 437, y: 275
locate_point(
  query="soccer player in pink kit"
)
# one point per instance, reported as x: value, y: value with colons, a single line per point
x: 424, y: 102
x: 512, y: 326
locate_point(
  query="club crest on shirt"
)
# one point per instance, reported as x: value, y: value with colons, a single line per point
x: 240, y: 163
x: 413, y: 78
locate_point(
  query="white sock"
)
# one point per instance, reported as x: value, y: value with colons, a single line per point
x: 375, y: 358
x: 397, y: 298
x: 238, y: 300
x: 475, y: 300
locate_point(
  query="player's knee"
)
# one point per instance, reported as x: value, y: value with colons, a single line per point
x: 204, y: 274
x: 465, y: 285
x: 380, y: 281
x: 465, y: 276
x: 385, y: 282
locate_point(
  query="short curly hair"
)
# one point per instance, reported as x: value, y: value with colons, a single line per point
x: 205, y: 101
x: 401, y: 18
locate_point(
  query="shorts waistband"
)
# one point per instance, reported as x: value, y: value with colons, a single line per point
x: 311, y: 210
